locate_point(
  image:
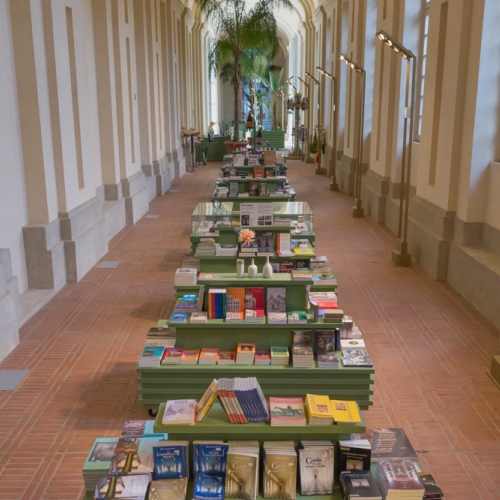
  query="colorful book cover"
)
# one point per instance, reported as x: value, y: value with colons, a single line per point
x: 133, y: 487
x: 168, y: 489
x: 287, y: 266
x: 101, y: 454
x: 262, y: 355
x: 170, y: 461
x: 235, y: 299
x: 173, y: 354
x: 226, y: 357
x: 263, y: 189
x: 209, y: 353
x: 280, y: 476
x: 235, y: 316
x: 179, y: 317
x: 189, y: 297
x: 265, y: 242
x: 316, y: 470
x: 345, y: 412
x: 241, y: 476
x: 297, y: 317
x: 254, y: 298
x: 253, y: 187
x: 190, y: 356
x: 209, y: 487
x: 138, y: 428
x: 281, y: 352
x: 212, y: 459
x: 287, y: 411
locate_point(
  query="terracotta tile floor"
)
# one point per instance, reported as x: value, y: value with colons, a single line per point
x: 430, y: 348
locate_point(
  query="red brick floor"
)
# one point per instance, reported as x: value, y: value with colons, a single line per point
x: 431, y: 349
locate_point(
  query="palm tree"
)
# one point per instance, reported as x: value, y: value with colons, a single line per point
x: 239, y: 30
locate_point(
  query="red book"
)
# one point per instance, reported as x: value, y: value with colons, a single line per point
x: 254, y: 298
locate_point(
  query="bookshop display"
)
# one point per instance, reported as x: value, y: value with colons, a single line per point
x: 256, y: 380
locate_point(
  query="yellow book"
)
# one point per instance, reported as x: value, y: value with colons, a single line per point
x: 304, y: 252
x: 206, y: 401
x: 318, y: 406
x: 345, y: 412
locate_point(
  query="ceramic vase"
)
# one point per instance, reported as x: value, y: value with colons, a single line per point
x: 240, y: 268
x: 267, y: 270
x: 252, y: 270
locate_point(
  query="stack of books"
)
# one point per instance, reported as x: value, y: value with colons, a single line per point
x: 354, y: 454
x: 354, y: 353
x: 324, y: 300
x: 323, y: 277
x: 255, y: 316
x: 151, y: 356
x: 133, y: 455
x: 249, y: 250
x: 208, y: 356
x: 209, y: 465
x: 198, y: 317
x: 262, y: 357
x: 333, y: 315
x: 172, y: 356
x: 297, y: 317
x: 318, y: 262
x: 325, y: 349
x: 280, y: 469
x: 358, y: 484
x: 206, y: 246
x: 242, y: 472
x: 287, y: 412
x: 389, y: 443
x: 254, y: 305
x: 227, y: 250
x: 316, y: 460
x: 345, y: 412
x: 226, y: 358
x: 113, y: 486
x: 161, y: 336
x: 243, y: 400
x: 98, y: 461
x: 185, y: 276
x: 280, y: 356
x: 179, y: 317
x: 302, y: 352
x: 179, y: 412
x: 301, y: 275
x: 398, y: 479
x: 190, y: 357
x: 318, y: 410
x: 161, y: 489
x: 171, y: 460
x: 245, y: 354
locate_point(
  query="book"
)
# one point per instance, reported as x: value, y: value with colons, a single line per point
x: 207, y: 276
x: 287, y: 412
x: 190, y: 357
x: 316, y: 461
x: 276, y: 300
x: 398, y: 479
x: 265, y: 243
x: 356, y: 357
x: 190, y: 298
x: 324, y: 300
x: 262, y: 357
x: 279, y: 356
x: 253, y: 160
x: 432, y: 489
x: 179, y: 317
x: 185, y: 276
x: 238, y: 160
x: 389, y: 443
x: 287, y: 266
x: 172, y: 356
x: 208, y: 487
x: 254, y: 298
x: 161, y: 336
x: 171, y: 460
x: 245, y: 354
x: 325, y: 349
x: 235, y: 316
x: 258, y: 171
x: 280, y: 471
x: 151, y: 356
x: 255, y: 316
x: 276, y: 318
x: 210, y: 458
x: 235, y: 299
x: 206, y: 401
x: 302, y: 352
x: 179, y: 412
x: 140, y: 461
x: 354, y: 454
x: 263, y: 189
x: 198, y: 317
x: 297, y: 317
x: 208, y: 356
x: 345, y: 412
x: 318, y: 410
x: 253, y: 188
x: 168, y: 489
x: 138, y: 428
x: 98, y: 461
x: 132, y: 487
x: 233, y: 189
x: 359, y: 485
x: 242, y: 472
x: 226, y: 358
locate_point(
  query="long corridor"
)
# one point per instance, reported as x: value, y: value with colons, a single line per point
x: 431, y: 350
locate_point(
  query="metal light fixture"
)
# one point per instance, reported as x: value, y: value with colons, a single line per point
x: 333, y: 89
x: 401, y: 257
x: 358, y: 210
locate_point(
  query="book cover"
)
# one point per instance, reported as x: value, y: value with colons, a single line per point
x: 287, y: 266
x: 190, y: 356
x: 281, y: 352
x: 137, y: 427
x: 189, y: 297
x: 241, y: 476
x: 226, y: 357
x: 179, y: 411
x: 206, y: 401
x: 212, y: 459
x: 179, y: 317
x: 233, y: 189
x: 280, y: 476
x: 168, y: 489
x: 235, y: 299
x: 389, y: 443
x: 238, y: 160
x: 254, y: 298
x: 253, y: 187
x: 208, y: 487
x: 287, y: 411
x: 354, y: 454
x: 181, y: 306
x: 297, y: 317
x: 262, y: 355
x: 263, y: 189
x: 235, y: 316
x: 246, y: 348
x: 345, y: 412
x: 170, y: 461
x: 324, y: 342
x: 151, y: 355
x: 356, y: 357
x: 399, y: 475
x: 172, y: 355
x: 265, y: 242
x: 207, y: 276
x: 276, y: 318
x: 132, y: 487
x: 276, y: 300
x: 360, y: 484
x: 316, y: 470
x: 209, y: 353
x: 99, y: 457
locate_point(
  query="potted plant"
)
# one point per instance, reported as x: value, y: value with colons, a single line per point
x: 240, y: 30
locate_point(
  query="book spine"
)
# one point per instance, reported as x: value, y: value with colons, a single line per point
x: 221, y: 394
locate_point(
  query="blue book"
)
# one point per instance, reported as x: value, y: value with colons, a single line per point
x: 170, y: 461
x: 209, y: 487
x: 179, y: 317
x: 189, y: 297
x: 212, y: 459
